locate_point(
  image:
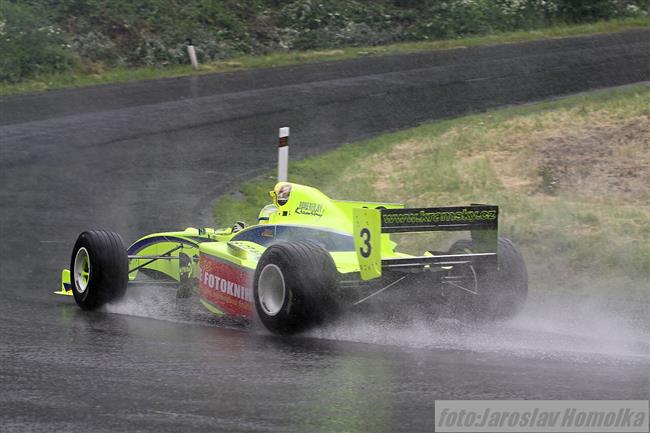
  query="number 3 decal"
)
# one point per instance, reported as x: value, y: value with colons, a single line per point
x: 365, y: 236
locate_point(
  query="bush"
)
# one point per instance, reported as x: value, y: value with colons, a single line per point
x: 30, y: 45
x: 321, y: 24
x: 593, y: 10
x: 476, y: 17
x: 43, y: 36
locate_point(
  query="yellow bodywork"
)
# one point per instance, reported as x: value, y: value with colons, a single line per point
x: 65, y: 283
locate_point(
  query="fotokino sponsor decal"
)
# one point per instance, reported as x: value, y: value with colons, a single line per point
x: 540, y: 416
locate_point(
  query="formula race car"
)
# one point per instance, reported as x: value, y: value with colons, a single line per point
x: 310, y: 257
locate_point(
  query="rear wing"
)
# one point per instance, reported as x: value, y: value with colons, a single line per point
x: 370, y: 224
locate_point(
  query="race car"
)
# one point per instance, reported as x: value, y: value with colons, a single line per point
x: 310, y: 257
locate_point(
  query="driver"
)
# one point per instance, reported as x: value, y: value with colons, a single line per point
x: 262, y: 218
x: 265, y: 213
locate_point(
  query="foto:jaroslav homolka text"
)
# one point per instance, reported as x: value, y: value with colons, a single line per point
x: 570, y: 417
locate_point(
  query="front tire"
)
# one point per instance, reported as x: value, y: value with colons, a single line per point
x: 99, y: 269
x: 293, y: 286
x: 501, y: 291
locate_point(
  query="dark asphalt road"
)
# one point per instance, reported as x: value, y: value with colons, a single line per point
x: 143, y: 157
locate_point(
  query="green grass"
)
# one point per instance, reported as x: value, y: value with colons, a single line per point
x: 576, y: 235
x: 121, y: 75
x: 83, y: 79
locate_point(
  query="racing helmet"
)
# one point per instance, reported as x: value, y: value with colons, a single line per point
x: 265, y: 213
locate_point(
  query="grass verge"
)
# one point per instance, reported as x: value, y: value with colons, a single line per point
x: 571, y: 177
x: 90, y: 77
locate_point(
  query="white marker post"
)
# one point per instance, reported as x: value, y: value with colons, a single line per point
x: 192, y: 54
x: 283, y: 154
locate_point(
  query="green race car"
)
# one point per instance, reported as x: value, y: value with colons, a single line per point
x: 310, y: 257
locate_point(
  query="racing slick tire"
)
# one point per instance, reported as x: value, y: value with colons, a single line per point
x: 293, y: 286
x: 99, y: 269
x: 501, y: 291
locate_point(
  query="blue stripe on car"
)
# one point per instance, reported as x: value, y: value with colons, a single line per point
x: 139, y: 245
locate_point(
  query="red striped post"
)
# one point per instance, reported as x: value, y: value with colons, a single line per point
x: 283, y: 154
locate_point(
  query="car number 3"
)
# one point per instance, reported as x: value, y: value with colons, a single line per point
x: 365, y: 237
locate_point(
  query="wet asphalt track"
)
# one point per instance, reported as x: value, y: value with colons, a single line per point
x: 143, y: 157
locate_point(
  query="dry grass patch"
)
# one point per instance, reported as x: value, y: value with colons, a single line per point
x: 572, y: 183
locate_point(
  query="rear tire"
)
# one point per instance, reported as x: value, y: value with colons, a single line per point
x: 99, y: 269
x: 502, y: 290
x: 293, y: 286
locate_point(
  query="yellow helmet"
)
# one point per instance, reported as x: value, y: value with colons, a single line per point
x: 265, y: 213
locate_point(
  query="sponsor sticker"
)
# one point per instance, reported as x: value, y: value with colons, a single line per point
x: 424, y: 216
x: 309, y: 208
x: 226, y: 286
